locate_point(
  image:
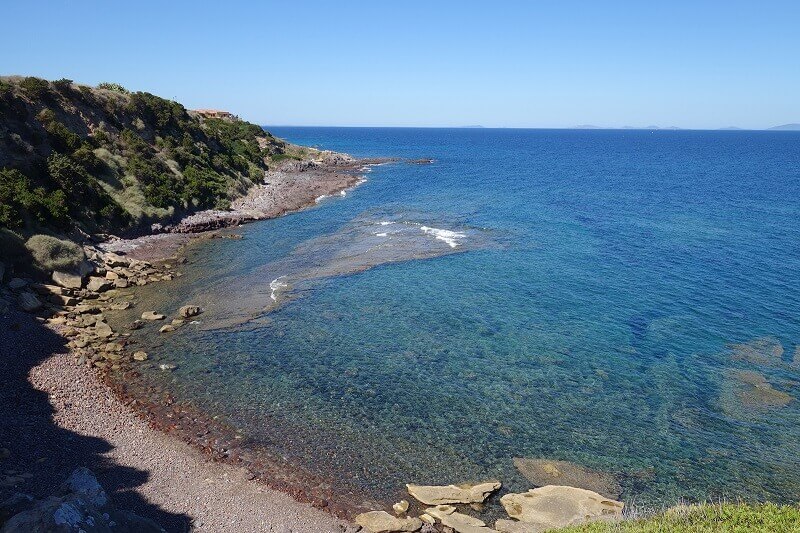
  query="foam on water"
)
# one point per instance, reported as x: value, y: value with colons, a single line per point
x: 450, y: 237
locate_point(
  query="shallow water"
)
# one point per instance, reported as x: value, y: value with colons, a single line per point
x: 581, y: 305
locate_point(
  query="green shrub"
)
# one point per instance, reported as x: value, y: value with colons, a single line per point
x: 50, y: 253
x: 116, y: 87
x: 20, y: 199
x: 62, y: 138
x: 203, y: 186
x: 35, y: 87
x: 63, y: 84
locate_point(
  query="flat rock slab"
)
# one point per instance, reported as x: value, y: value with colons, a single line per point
x: 447, y: 494
x: 152, y: 315
x: 383, y: 522
x: 459, y: 522
x: 556, y: 506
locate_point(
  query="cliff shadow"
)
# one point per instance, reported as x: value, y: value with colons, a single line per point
x: 36, y: 455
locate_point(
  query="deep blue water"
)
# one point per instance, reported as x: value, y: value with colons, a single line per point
x: 597, y: 329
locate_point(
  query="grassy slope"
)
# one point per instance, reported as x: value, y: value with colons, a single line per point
x: 106, y: 160
x: 708, y: 518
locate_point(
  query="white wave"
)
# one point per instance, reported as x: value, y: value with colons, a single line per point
x: 446, y: 235
x: 342, y: 193
x: 385, y: 223
x: 275, y: 285
x: 320, y: 198
x: 381, y: 234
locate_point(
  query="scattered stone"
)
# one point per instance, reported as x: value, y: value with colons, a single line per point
x: 28, y: 302
x: 188, y: 311
x: 400, y: 507
x: 80, y: 504
x: 17, y: 283
x: 121, y: 283
x: 103, y: 330
x: 459, y: 522
x: 464, y: 493
x: 136, y: 324
x: 140, y: 356
x: 97, y: 284
x: 152, y: 315
x: 63, y: 300
x: 121, y: 306
x: 166, y: 328
x: 428, y: 519
x: 167, y: 366
x: 45, y: 289
x: 67, y: 280
x: 556, y: 506
x: 178, y: 322
x: 383, y: 522
x: 111, y: 275
x: 543, y: 472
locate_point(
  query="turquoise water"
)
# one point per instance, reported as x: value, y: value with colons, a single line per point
x: 587, y: 313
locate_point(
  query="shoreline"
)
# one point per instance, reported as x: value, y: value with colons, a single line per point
x: 83, y: 399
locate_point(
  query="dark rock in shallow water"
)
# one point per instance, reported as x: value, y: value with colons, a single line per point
x: 79, y: 505
x: 543, y: 472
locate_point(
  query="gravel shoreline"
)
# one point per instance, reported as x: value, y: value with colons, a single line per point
x: 180, y: 480
x: 59, y: 415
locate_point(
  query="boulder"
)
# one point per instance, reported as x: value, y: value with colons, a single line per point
x: 113, y: 260
x: 136, y: 324
x: 67, y: 280
x: 121, y: 306
x: 45, y: 289
x: 140, y: 356
x: 188, y: 311
x: 459, y: 522
x: 111, y: 275
x: 166, y: 328
x: 464, y: 493
x: 121, y: 283
x: 556, y: 506
x: 103, y: 330
x: 28, y: 302
x: 98, y: 284
x: 17, y: 283
x: 152, y: 315
x: 383, y: 522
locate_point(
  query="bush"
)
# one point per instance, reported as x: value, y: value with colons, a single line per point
x: 62, y: 138
x: 50, y: 253
x: 63, y: 84
x: 19, y: 198
x: 35, y: 87
x: 116, y: 87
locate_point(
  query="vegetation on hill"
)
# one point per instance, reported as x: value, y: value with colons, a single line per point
x: 108, y: 160
x: 707, y: 518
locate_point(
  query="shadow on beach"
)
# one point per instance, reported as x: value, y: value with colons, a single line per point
x: 39, y: 455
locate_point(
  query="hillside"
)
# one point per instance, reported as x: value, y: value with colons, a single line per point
x: 103, y: 159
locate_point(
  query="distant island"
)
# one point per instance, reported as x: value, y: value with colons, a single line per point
x: 786, y: 127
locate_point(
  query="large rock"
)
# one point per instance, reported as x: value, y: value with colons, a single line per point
x: 556, y: 506
x: 113, y: 260
x: 103, y: 330
x: 188, y: 311
x: 79, y: 505
x: 98, y: 284
x: 446, y: 494
x: 543, y: 472
x: 461, y: 523
x: 28, y: 302
x: 67, y: 279
x: 383, y: 522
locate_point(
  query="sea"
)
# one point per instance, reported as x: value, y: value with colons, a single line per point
x: 626, y: 301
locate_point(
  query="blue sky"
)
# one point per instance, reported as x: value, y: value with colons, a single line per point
x: 700, y: 64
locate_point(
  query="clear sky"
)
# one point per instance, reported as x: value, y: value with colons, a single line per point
x: 698, y: 64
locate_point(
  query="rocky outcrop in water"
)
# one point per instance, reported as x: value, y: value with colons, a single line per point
x: 383, y: 522
x: 448, y: 494
x: 80, y: 505
x: 556, y: 506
